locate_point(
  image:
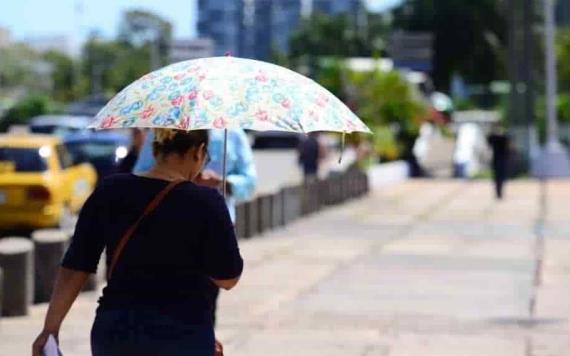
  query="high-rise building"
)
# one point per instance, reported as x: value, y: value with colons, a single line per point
x: 274, y: 22
x: 249, y: 28
x: 221, y: 20
x: 356, y: 9
x: 563, y: 13
x: 336, y: 7
x: 286, y: 16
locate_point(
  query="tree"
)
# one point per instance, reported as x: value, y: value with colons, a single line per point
x: 563, y: 57
x: 388, y: 104
x: 470, y: 37
x: 112, y: 65
x: 21, y: 67
x: 325, y: 35
x: 24, y: 110
x: 63, y: 75
x: 141, y: 28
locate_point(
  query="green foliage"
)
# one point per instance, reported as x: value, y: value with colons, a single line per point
x: 387, y: 103
x: 19, y: 69
x: 63, y: 73
x: 470, y: 37
x: 385, y: 144
x: 330, y: 74
x: 563, y: 56
x: 112, y: 65
x: 386, y: 98
x: 562, y: 110
x: 336, y: 36
x: 24, y: 110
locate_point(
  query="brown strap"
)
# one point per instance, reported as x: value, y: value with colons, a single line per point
x: 129, y: 233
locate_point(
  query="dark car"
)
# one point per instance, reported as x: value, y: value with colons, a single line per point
x: 103, y: 149
x: 276, y: 140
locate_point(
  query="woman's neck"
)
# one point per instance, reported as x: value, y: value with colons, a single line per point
x: 167, y: 171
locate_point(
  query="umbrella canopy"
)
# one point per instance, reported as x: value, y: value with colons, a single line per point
x: 228, y: 92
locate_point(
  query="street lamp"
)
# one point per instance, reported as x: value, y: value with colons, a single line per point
x: 553, y: 161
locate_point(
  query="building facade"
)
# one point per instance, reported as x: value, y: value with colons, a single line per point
x: 563, y: 13
x: 221, y: 20
x: 356, y: 9
x: 249, y: 28
x: 186, y: 49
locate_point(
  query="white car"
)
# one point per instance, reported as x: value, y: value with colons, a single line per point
x: 59, y: 125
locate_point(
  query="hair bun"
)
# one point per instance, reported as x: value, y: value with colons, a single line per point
x: 163, y: 135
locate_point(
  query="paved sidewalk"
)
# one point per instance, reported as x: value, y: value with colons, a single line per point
x: 422, y: 268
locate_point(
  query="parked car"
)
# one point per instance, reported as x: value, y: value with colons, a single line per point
x: 89, y: 105
x: 103, y: 149
x: 59, y: 125
x: 276, y: 140
x: 40, y: 186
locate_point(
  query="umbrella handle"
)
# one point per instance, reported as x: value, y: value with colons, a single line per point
x: 224, y: 166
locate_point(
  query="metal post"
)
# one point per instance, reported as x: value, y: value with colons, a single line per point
x: 551, y: 85
x: 553, y: 161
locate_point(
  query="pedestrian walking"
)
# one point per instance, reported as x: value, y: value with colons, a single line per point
x: 137, y: 140
x: 311, y: 153
x: 499, y: 142
x: 170, y: 245
x: 241, y: 173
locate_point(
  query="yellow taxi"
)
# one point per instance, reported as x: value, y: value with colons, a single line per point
x: 40, y: 186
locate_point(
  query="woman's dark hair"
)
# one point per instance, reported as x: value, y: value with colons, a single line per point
x: 167, y: 141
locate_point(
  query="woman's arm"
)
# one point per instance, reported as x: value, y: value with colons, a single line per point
x: 226, y: 284
x: 67, y: 286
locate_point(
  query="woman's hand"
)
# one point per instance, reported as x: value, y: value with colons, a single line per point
x: 209, y: 178
x: 41, y: 340
x: 219, y: 348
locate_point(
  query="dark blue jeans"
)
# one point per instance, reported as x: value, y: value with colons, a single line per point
x: 146, y: 332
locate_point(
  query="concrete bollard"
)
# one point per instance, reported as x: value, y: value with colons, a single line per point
x: 17, y: 262
x: 310, y: 198
x: 50, y: 246
x: 277, y: 209
x: 241, y: 221
x: 265, y: 213
x: 292, y: 203
x: 252, y: 218
x: 334, y: 188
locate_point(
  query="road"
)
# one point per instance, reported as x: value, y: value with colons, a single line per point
x: 420, y: 268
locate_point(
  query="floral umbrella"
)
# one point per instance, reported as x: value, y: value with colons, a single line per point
x: 227, y: 92
x: 224, y: 93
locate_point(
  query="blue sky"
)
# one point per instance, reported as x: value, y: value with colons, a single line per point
x: 76, y: 18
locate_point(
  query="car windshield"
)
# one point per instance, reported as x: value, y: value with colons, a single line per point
x: 89, y: 151
x: 23, y: 159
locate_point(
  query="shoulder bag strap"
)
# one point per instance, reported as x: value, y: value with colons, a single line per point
x: 129, y: 233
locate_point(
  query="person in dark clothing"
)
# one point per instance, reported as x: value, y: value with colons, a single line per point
x: 311, y: 153
x: 499, y: 142
x: 127, y: 164
x: 160, y: 295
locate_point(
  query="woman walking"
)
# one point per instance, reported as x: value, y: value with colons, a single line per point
x: 170, y: 245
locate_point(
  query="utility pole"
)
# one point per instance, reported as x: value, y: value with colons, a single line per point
x: 553, y: 160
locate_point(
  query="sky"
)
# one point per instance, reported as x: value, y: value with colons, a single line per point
x: 76, y: 18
